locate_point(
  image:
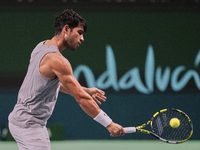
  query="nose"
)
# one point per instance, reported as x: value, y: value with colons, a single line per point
x: 82, y: 39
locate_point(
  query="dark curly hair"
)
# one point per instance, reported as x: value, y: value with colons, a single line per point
x: 68, y: 17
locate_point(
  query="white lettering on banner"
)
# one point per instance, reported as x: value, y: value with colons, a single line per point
x: 132, y: 78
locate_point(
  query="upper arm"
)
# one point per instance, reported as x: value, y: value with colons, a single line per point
x: 61, y: 67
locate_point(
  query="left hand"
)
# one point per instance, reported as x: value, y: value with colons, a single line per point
x: 97, y: 94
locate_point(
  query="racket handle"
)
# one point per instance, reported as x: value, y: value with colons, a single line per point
x: 130, y: 129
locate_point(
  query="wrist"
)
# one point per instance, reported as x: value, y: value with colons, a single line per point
x: 103, y: 119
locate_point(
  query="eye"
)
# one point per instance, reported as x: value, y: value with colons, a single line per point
x: 80, y: 32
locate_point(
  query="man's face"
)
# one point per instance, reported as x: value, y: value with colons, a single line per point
x: 75, y: 38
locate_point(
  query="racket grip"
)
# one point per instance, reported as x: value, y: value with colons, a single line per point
x: 130, y: 129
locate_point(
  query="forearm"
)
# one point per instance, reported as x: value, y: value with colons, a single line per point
x: 88, y: 105
x: 85, y: 89
x: 93, y: 110
x: 66, y: 91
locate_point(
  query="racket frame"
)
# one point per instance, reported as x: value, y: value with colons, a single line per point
x: 140, y: 128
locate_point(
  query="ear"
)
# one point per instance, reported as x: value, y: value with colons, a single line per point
x: 66, y: 29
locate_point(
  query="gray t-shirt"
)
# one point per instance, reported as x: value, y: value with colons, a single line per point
x: 37, y: 95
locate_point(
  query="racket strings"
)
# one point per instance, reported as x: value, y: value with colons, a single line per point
x: 162, y: 128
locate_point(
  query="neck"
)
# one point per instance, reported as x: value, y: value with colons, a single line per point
x: 56, y: 41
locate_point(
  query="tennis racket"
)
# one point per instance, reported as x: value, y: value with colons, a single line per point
x: 161, y: 128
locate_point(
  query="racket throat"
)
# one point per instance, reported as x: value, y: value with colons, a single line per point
x: 143, y: 131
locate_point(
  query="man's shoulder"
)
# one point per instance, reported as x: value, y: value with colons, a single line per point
x: 56, y: 58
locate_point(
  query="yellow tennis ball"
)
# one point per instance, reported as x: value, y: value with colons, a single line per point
x: 174, y: 122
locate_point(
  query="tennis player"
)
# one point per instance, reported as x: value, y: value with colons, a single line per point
x: 48, y: 73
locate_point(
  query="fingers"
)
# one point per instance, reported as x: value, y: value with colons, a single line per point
x: 101, y: 97
x: 123, y: 131
x: 100, y: 92
x: 120, y: 132
x: 98, y: 97
x: 96, y: 100
x: 115, y: 129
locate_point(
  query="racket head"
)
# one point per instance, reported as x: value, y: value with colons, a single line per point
x: 160, y: 126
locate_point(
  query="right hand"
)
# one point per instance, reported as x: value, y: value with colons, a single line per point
x: 115, y: 129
